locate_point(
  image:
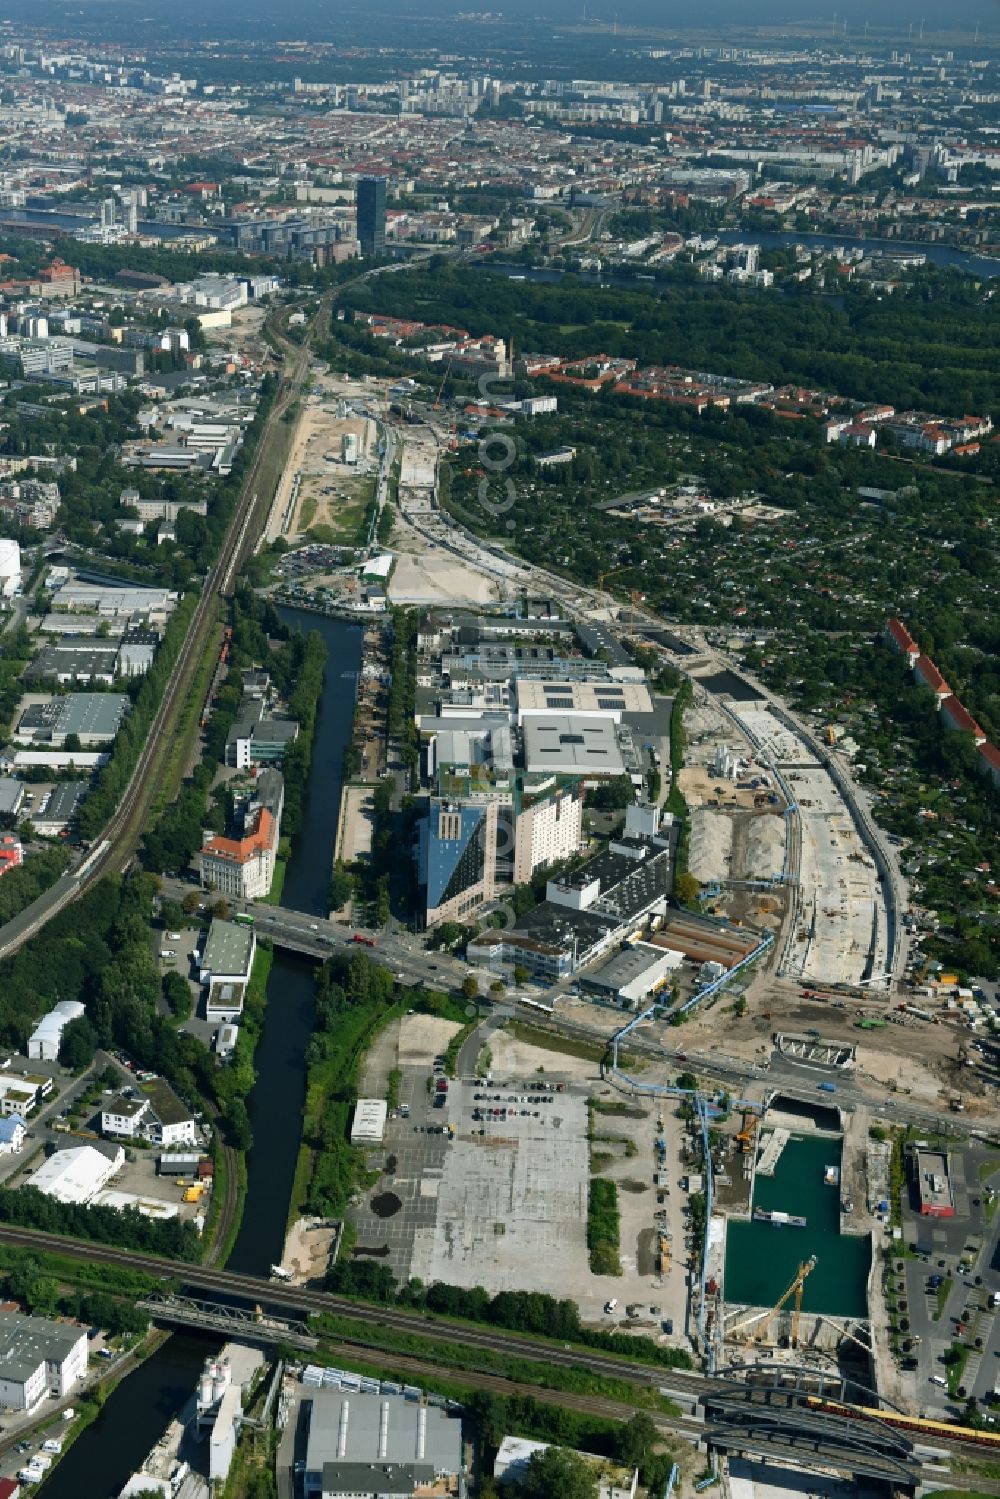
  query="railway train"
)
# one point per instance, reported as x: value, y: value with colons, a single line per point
x: 919, y: 1427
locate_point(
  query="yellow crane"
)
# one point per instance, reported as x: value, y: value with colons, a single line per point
x: 795, y: 1289
x: 755, y: 1324
x: 745, y: 1138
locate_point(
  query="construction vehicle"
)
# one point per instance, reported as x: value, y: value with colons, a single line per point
x: 193, y: 1193
x: 748, y: 1132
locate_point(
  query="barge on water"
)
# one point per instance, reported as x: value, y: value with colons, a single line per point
x: 778, y: 1219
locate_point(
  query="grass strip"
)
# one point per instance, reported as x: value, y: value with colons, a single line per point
x: 522, y: 1370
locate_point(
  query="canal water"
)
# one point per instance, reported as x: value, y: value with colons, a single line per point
x: 761, y: 1260
x: 137, y: 1413
x: 986, y: 266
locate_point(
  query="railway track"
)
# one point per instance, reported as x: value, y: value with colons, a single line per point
x: 119, y: 839
x: 255, y: 1290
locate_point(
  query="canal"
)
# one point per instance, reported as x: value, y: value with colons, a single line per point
x: 943, y: 256
x: 761, y: 1259
x: 99, y: 1464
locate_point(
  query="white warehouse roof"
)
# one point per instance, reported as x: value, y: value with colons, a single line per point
x: 76, y: 1175
x: 368, y: 1127
x: 52, y: 1025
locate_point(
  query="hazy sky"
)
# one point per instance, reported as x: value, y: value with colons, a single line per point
x: 328, y: 19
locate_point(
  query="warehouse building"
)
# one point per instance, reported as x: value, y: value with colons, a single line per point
x: 631, y: 977
x: 61, y: 807
x: 368, y: 1127
x: 39, y: 1358
x: 933, y: 1180
x: 360, y: 1445
x: 78, y: 1173
x: 94, y: 717
x: 11, y: 796
x: 229, y: 953
x: 46, y: 1038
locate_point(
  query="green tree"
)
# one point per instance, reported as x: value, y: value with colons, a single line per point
x: 636, y: 1439
x: 177, y: 993
x: 686, y: 889
x: 470, y: 987
x: 559, y: 1473
x: 341, y: 888
x: 78, y: 1045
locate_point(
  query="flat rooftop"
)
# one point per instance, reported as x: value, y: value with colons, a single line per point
x: 579, y: 744
x: 229, y: 948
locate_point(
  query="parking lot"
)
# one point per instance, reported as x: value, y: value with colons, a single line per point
x: 949, y: 1284
x: 485, y: 1181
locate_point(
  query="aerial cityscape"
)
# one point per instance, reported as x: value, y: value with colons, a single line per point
x: 499, y: 752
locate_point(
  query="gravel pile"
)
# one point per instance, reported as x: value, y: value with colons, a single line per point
x: 710, y: 845
x: 765, y: 848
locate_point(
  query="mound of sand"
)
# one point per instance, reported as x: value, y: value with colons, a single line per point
x: 710, y: 845
x: 765, y: 848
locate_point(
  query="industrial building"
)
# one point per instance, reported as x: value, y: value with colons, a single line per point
x: 73, y: 660
x: 368, y: 1125
x: 602, y: 699
x: 586, y: 913
x: 94, y: 717
x: 78, y: 1173
x: 367, y: 1446
x: 229, y: 953
x: 46, y: 1038
x: 572, y: 744
x: 933, y: 1182
x: 631, y: 977
x: 39, y: 1358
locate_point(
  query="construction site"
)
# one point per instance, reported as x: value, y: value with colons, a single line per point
x: 792, y: 1260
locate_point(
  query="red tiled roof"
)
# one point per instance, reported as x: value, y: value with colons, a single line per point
x: 902, y: 636
x: 928, y: 672
x: 960, y: 716
x: 991, y: 755
x: 241, y: 850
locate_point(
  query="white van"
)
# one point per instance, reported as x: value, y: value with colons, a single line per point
x: 939, y: 1379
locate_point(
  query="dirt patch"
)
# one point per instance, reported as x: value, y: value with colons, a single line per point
x: 422, y: 1038
x: 629, y: 1185
x: 308, y: 1246
x: 647, y: 1252
x: 385, y: 1205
